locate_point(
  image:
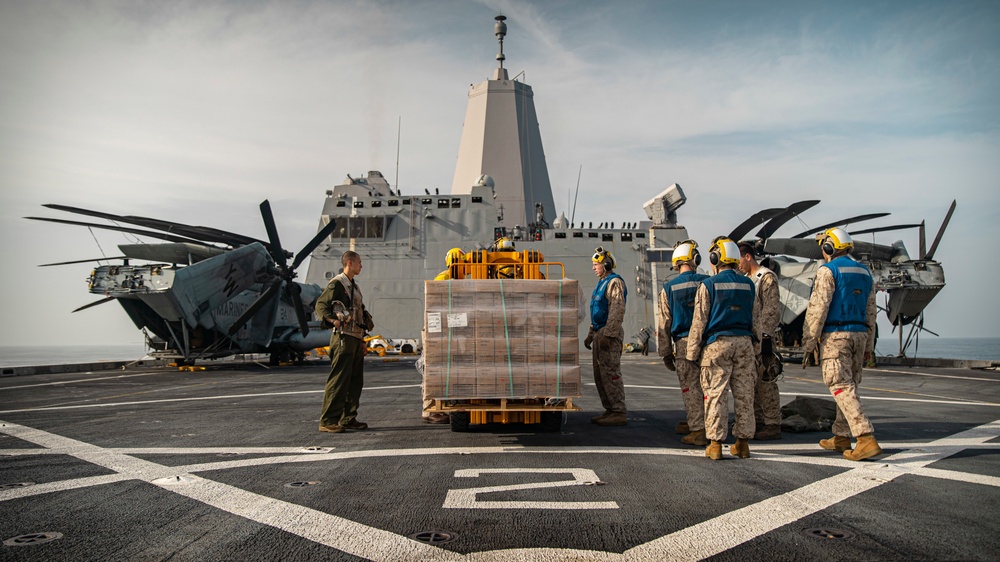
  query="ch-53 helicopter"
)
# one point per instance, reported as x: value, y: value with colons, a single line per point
x: 910, y: 284
x: 207, y: 293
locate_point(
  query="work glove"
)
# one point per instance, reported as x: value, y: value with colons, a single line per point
x: 668, y: 362
x: 589, y: 341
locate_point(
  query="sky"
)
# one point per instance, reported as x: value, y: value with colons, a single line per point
x: 197, y: 111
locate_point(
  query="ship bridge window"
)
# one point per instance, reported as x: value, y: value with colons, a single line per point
x: 560, y: 235
x: 360, y: 227
x: 626, y: 236
x: 640, y: 234
x: 456, y: 202
x: 591, y: 235
x: 341, y: 203
x: 442, y: 203
x: 359, y: 204
x: 376, y: 203
x: 407, y: 201
x: 426, y: 201
x: 477, y: 199
x: 659, y: 256
x: 393, y: 202
x: 607, y: 237
x: 577, y: 235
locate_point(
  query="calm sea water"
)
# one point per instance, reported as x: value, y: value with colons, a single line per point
x: 985, y: 349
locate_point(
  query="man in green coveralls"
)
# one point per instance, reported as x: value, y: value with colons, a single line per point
x: 341, y: 307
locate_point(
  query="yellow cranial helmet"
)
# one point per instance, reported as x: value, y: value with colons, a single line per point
x: 685, y: 251
x: 834, y: 240
x: 454, y: 255
x: 605, y: 257
x: 724, y: 251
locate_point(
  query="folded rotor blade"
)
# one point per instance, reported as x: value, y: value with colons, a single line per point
x: 272, y: 235
x: 202, y: 233
x: 95, y: 303
x: 263, y: 299
x: 150, y: 233
x: 788, y: 214
x: 842, y: 222
x: 884, y: 229
x: 760, y: 216
x: 83, y: 261
x: 305, y: 251
x: 937, y: 239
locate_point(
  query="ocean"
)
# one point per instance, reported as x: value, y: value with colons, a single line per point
x: 984, y: 349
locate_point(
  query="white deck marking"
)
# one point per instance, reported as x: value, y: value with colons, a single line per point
x: 935, y: 375
x: 191, y: 399
x: 699, y: 541
x: 465, y: 498
x: 81, y: 380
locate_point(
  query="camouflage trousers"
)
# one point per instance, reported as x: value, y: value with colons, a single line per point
x: 728, y: 363
x: 689, y: 376
x: 608, y: 372
x: 766, y: 402
x: 842, y: 355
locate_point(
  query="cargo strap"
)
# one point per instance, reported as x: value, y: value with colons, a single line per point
x: 506, y: 336
x: 559, y: 343
x: 447, y: 373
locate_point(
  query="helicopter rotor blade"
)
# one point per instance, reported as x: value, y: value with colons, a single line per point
x: 263, y: 299
x: 95, y: 303
x: 136, y: 231
x: 884, y: 229
x: 844, y: 222
x: 781, y: 218
x: 294, y: 293
x: 82, y: 261
x: 923, y: 240
x: 755, y: 219
x: 202, y: 233
x: 272, y: 235
x: 937, y: 239
x: 320, y: 236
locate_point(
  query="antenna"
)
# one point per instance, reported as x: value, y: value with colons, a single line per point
x: 500, y: 30
x: 573, y: 214
x: 399, y: 130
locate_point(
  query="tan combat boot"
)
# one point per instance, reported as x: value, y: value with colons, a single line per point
x: 866, y: 448
x: 836, y: 443
x: 768, y: 433
x: 740, y: 449
x: 695, y: 438
x: 714, y: 450
x: 612, y: 419
x: 682, y: 428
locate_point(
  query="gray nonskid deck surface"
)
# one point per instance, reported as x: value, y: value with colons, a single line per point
x: 228, y: 464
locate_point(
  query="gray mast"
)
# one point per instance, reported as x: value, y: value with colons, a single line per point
x: 500, y: 138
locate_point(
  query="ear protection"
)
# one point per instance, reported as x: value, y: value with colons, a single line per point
x: 834, y: 240
x: 604, y: 257
x: 685, y: 251
x: 724, y: 251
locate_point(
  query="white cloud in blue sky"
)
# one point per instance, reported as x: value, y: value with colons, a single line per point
x: 196, y: 111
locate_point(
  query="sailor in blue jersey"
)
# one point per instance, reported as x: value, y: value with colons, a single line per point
x: 675, y: 308
x: 840, y: 319
x: 725, y: 339
x: 607, y: 310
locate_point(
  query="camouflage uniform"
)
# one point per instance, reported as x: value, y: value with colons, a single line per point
x: 347, y: 352
x: 607, y: 350
x: 766, y: 399
x: 841, y: 354
x: 688, y: 373
x: 728, y: 362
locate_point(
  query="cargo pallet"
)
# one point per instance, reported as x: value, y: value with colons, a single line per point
x: 481, y: 411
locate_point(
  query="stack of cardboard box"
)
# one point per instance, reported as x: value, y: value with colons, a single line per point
x: 494, y: 338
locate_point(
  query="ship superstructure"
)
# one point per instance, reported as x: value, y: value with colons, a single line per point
x: 500, y: 188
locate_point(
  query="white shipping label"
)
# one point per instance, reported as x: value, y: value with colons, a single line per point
x: 434, y: 322
x: 458, y: 320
